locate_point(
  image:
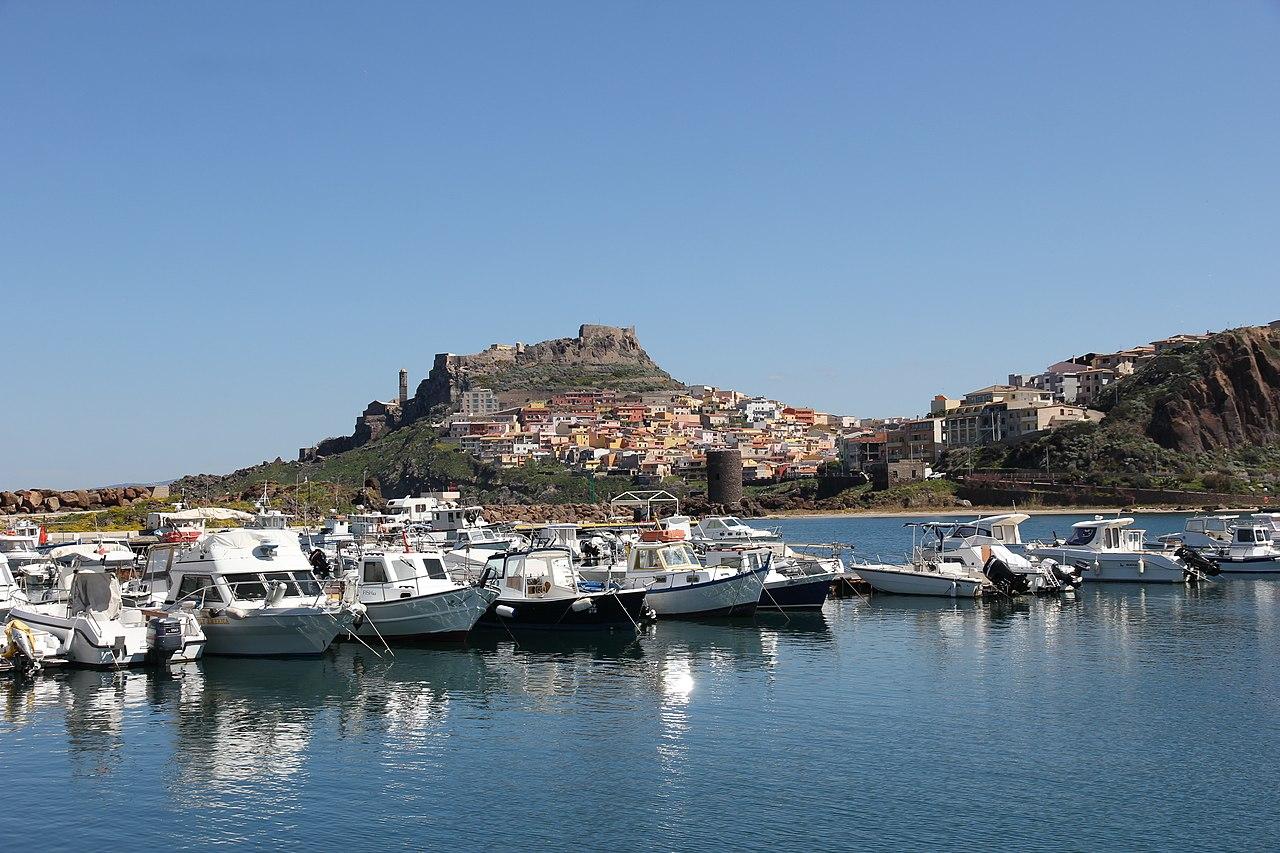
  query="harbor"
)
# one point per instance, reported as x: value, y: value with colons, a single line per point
x: 862, y: 723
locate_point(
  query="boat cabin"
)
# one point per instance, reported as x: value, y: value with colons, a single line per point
x: 1106, y: 534
x: 539, y: 573
x: 1216, y: 527
x: 392, y: 575
x: 743, y: 558
x: 1003, y: 529
x: 727, y: 528
x: 241, y: 567
x: 662, y: 557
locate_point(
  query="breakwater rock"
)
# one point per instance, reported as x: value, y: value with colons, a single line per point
x: 37, y: 501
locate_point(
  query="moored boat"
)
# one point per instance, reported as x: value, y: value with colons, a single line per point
x: 540, y: 589
x: 408, y: 594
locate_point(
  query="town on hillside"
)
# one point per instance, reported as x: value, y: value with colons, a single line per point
x: 656, y: 434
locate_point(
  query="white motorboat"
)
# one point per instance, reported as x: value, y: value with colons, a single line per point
x: 1111, y: 550
x: 992, y: 546
x: 722, y: 530
x: 788, y: 584
x: 25, y: 649
x: 1271, y: 522
x: 94, y: 629
x: 540, y: 589
x: 467, y: 550
x: 946, y: 578
x: 677, y: 584
x: 1235, y: 544
x: 254, y: 594
x: 409, y: 594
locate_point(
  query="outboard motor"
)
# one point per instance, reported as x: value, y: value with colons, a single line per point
x: 320, y: 565
x: 1006, y: 579
x: 1067, y: 578
x: 164, y: 636
x: 1195, y: 560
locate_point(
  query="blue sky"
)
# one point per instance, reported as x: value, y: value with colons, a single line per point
x: 224, y: 227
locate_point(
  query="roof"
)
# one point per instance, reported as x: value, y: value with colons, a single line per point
x: 1104, y: 522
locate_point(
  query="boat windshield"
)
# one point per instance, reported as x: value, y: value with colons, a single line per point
x: 1083, y: 536
x: 679, y: 556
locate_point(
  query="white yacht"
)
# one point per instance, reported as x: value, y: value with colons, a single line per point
x: 94, y: 629
x: 409, y: 594
x: 677, y: 584
x: 1110, y: 549
x: 254, y: 594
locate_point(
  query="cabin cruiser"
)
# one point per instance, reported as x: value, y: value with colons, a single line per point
x: 93, y: 627
x: 677, y: 584
x: 20, y: 545
x: 410, y: 594
x: 992, y: 545
x: 1110, y: 549
x: 788, y: 584
x: 254, y: 594
x: 540, y: 589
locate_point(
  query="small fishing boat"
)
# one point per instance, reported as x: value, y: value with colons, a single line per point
x: 541, y: 589
x: 788, y: 584
x: 677, y: 584
x: 408, y: 594
x: 1235, y: 544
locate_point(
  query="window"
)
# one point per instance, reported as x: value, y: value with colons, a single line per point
x: 435, y: 569
x: 290, y: 587
x: 200, y: 589
x: 647, y: 560
x: 248, y: 587
x: 1082, y: 536
x: 374, y: 572
x: 306, y: 583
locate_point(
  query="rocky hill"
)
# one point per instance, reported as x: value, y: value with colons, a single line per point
x: 599, y: 358
x: 1224, y: 394
x: 1204, y: 409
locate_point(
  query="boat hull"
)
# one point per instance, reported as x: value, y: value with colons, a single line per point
x: 620, y: 610
x: 82, y: 643
x: 273, y: 633
x: 798, y: 593
x: 738, y: 595
x: 442, y: 615
x: 1118, y: 567
x: 1247, y: 565
x: 888, y: 579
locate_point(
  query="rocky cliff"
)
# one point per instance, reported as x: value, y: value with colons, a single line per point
x: 599, y: 358
x: 1221, y: 394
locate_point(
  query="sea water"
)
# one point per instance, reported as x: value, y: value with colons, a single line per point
x: 1133, y: 717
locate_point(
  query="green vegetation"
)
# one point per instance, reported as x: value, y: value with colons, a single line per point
x: 550, y: 378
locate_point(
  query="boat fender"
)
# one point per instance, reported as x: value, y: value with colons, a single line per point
x: 236, y: 612
x: 582, y: 605
x: 505, y: 611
